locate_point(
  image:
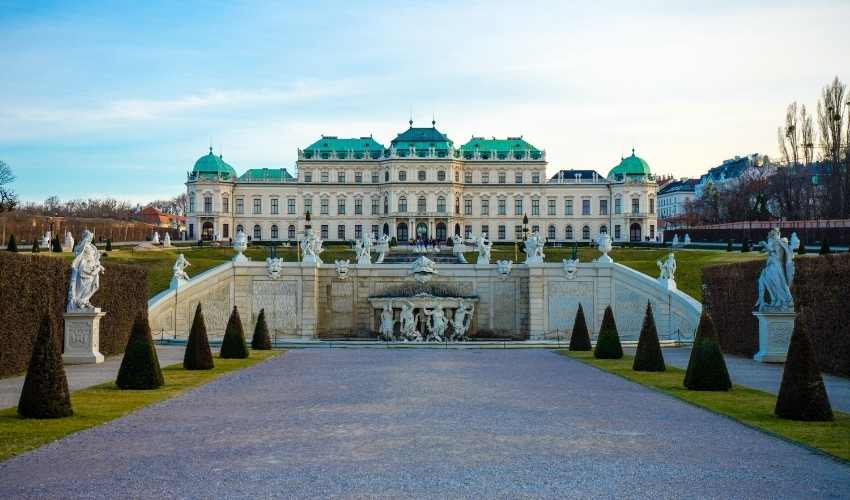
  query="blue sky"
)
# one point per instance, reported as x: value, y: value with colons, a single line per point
x: 119, y: 99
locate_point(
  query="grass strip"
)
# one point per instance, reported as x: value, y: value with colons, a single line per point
x: 101, y: 403
x: 750, y: 407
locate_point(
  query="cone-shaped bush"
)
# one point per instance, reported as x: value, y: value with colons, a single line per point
x: 36, y: 247
x: 198, y: 355
x: 45, y: 393
x: 261, y: 339
x: 802, y: 395
x: 608, y: 342
x: 12, y: 246
x: 802, y: 249
x: 706, y: 367
x: 824, y: 247
x: 233, y: 345
x: 108, y: 244
x: 56, y: 245
x: 648, y: 357
x: 140, y: 366
x: 729, y: 245
x: 580, y: 340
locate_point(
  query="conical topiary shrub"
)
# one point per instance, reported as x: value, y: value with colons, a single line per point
x: 12, y: 246
x: 36, y: 247
x: 261, y: 340
x: 802, y: 395
x: 55, y: 245
x: 233, y: 345
x: 802, y: 248
x: 580, y: 340
x: 824, y: 247
x: 608, y: 342
x: 648, y: 357
x: 198, y: 355
x: 45, y: 393
x: 729, y: 245
x: 108, y: 244
x: 706, y: 367
x: 140, y: 366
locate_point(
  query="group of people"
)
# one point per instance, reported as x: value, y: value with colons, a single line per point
x: 426, y: 245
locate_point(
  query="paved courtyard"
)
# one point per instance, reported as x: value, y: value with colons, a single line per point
x: 424, y: 423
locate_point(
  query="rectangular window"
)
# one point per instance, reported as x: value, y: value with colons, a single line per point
x: 485, y: 178
x: 518, y: 178
x: 325, y: 206
x: 358, y: 207
x: 324, y: 232
x: 340, y: 206
x: 502, y: 207
x: 308, y: 176
x: 618, y: 206
x: 191, y: 230
x: 467, y: 177
x: 225, y: 204
x: 358, y: 231
x: 340, y: 177
x: 207, y: 204
x: 652, y: 205
x: 550, y: 206
x: 457, y: 176
x: 502, y: 178
x: 518, y: 206
x: 308, y: 205
x: 518, y: 232
x: 568, y: 207
x: 617, y: 232
x: 467, y: 207
x: 402, y: 176
x: 290, y: 206
x: 275, y: 207
x: 501, y: 232
x: 585, y: 207
x: 535, y: 229
x: 324, y: 177
x: 376, y: 203
x: 485, y: 207
x: 535, y: 177
x: 535, y: 207
x: 603, y: 207
x: 192, y: 204
x: 652, y: 231
x: 258, y: 206
x: 375, y: 177
x: 225, y: 230
x: 467, y: 232
x: 635, y: 205
x: 375, y: 230
x: 358, y: 177
x: 340, y: 232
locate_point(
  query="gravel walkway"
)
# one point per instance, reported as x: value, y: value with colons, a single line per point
x: 422, y: 423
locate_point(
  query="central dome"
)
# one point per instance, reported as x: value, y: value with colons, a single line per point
x: 212, y: 165
x: 631, y: 166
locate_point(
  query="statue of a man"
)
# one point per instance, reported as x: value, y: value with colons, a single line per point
x: 85, y: 274
x: 311, y: 247
x: 179, y: 268
x: 363, y: 247
x: 534, y: 249
x: 667, y: 267
x: 483, y: 245
x: 777, y: 276
x: 461, y: 321
x: 437, y: 324
x: 387, y: 322
x: 408, y: 323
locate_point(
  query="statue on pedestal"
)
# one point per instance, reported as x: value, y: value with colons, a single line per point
x: 240, y: 244
x: 85, y: 274
x: 363, y: 247
x: 311, y: 247
x: 155, y: 239
x: 45, y: 241
x: 387, y: 323
x: 383, y: 248
x: 68, y: 245
x: 777, y: 276
x: 457, y: 248
x: 179, y: 276
x: 166, y: 242
x: 604, y: 244
x: 667, y: 267
x: 483, y: 245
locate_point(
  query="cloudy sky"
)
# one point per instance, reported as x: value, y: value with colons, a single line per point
x: 120, y: 99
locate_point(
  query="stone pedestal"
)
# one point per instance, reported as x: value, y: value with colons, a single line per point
x: 667, y: 284
x: 775, y: 329
x: 82, y: 337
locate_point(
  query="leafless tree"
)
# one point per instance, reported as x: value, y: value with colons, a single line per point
x: 8, y: 199
x: 833, y: 146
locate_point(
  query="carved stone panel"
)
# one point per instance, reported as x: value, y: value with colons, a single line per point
x: 280, y: 300
x: 629, y: 308
x: 564, y: 299
x: 342, y: 305
x: 216, y: 308
x: 504, y: 306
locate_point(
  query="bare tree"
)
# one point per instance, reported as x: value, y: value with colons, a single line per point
x: 8, y: 198
x: 831, y: 124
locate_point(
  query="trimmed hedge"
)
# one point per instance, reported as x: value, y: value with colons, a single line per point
x: 261, y: 339
x: 821, y: 287
x: 706, y: 367
x: 45, y: 393
x: 198, y: 355
x: 608, y: 342
x: 802, y: 395
x: 648, y: 357
x: 40, y: 285
x: 140, y: 365
x: 580, y: 338
x: 233, y: 344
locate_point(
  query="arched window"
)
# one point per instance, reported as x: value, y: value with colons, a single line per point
x: 603, y: 229
x: 585, y: 233
x: 274, y: 231
x: 402, y: 204
x: 291, y: 232
x: 387, y: 176
x: 401, y: 231
x: 386, y: 205
x: 441, y: 175
x: 421, y: 175
x: 240, y: 229
x: 258, y: 232
x: 421, y: 204
x: 441, y: 205
x: 569, y: 233
x: 457, y: 205
x: 551, y: 234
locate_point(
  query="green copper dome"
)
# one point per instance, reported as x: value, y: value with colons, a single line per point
x: 630, y: 166
x: 211, y: 165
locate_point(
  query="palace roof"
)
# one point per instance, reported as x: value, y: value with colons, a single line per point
x: 266, y: 175
x: 422, y: 137
x: 681, y: 186
x: 212, y: 166
x: 631, y: 166
x: 501, y: 148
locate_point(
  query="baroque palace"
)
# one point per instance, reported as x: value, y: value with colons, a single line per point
x: 421, y: 186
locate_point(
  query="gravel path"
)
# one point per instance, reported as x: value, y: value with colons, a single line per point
x: 422, y: 423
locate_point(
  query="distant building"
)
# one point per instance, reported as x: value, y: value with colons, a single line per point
x: 674, y: 197
x: 155, y: 217
x: 725, y: 175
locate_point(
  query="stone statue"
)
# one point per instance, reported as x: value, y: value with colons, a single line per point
x: 363, y: 247
x: 457, y: 248
x: 311, y: 247
x: 777, y: 276
x: 408, y: 323
x: 687, y: 239
x: 794, y: 242
x: 504, y: 267
x: 341, y: 268
x: 240, y: 244
x: 461, y: 321
x: 166, y: 242
x: 483, y: 245
x: 383, y: 248
x: 274, y: 266
x: 534, y: 249
x: 155, y: 239
x: 675, y: 241
x: 437, y: 324
x: 604, y: 245
x: 423, y: 269
x: 85, y: 274
x: 179, y: 276
x: 45, y: 240
x: 387, y: 323
x: 68, y: 245
x: 667, y: 267
x: 570, y: 268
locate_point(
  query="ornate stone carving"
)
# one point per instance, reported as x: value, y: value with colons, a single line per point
x: 279, y: 299
x: 274, y: 266
x: 363, y: 249
x: 85, y: 274
x: 311, y: 247
x: 82, y: 337
x: 461, y: 321
x: 563, y: 300
x: 179, y: 276
x: 777, y: 276
x: 458, y: 247
x: 423, y: 269
x: 604, y: 245
x: 437, y: 323
x: 387, y: 328
x: 341, y: 268
x: 504, y: 267
x: 408, y: 323
x: 166, y: 242
x: 383, y: 248
x: 483, y: 245
x: 570, y: 268
x: 240, y: 244
x: 534, y: 249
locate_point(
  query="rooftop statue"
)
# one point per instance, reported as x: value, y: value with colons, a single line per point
x: 777, y: 276
x: 85, y: 274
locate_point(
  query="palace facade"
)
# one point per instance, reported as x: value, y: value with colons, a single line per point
x: 421, y: 185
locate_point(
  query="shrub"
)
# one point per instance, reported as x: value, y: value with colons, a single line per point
x: 745, y: 245
x: 12, y: 246
x: 824, y: 247
x: 35, y: 246
x: 608, y: 342
x: 233, y: 345
x: 261, y: 340
x: 706, y: 367
x: 56, y: 245
x: 648, y: 357
x: 45, y: 393
x: 580, y: 339
x: 140, y: 366
x: 729, y: 247
x: 108, y: 244
x: 198, y: 355
x: 802, y: 395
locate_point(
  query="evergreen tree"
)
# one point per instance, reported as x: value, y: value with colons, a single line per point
x: 580, y: 340
x: 608, y: 342
x: 140, y: 366
x: 233, y: 345
x: 35, y: 246
x: 45, y: 393
x: 706, y: 367
x: 261, y: 339
x: 198, y: 355
x: 824, y: 247
x: 802, y: 395
x: 648, y: 357
x: 729, y: 247
x: 12, y: 246
x: 108, y: 244
x: 745, y: 245
x: 56, y: 245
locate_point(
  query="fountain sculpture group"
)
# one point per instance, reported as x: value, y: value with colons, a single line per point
x: 426, y: 323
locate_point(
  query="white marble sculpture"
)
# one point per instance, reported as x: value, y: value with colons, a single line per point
x: 687, y: 239
x: 437, y: 324
x: 311, y: 247
x: 504, y: 267
x: 461, y: 321
x: 794, y: 242
x: 68, y: 244
x: 570, y: 268
x: 45, y: 241
x: 407, y: 321
x: 240, y: 244
x: 274, y: 266
x: 483, y: 246
x: 534, y: 249
x: 342, y: 268
x: 675, y: 241
x: 179, y: 276
x: 777, y: 276
x: 667, y: 267
x: 604, y: 245
x: 363, y: 249
x: 85, y: 274
x: 458, y: 247
x: 155, y: 239
x: 383, y: 248
x: 423, y: 269
x: 166, y: 242
x: 387, y: 323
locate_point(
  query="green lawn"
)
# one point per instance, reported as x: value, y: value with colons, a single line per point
x: 748, y: 406
x: 102, y: 403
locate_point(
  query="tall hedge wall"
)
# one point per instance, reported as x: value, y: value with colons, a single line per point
x: 32, y: 284
x: 821, y: 289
